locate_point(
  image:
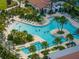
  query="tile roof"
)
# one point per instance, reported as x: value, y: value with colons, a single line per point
x: 39, y: 3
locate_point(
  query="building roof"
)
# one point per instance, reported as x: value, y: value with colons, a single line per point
x: 66, y: 52
x: 39, y: 3
x: 71, y: 56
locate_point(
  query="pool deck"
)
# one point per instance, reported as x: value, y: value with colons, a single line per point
x: 45, y: 21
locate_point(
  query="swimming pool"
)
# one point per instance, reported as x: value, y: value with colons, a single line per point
x: 25, y: 50
x: 44, y: 31
x: 36, y: 44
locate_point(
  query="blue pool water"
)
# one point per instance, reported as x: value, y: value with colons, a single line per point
x: 25, y: 50
x: 36, y: 44
x: 44, y: 32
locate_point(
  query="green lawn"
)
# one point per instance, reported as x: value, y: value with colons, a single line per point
x: 3, y: 4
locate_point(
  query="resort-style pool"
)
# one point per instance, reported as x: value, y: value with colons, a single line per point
x: 44, y: 32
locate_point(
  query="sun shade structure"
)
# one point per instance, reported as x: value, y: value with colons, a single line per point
x: 39, y: 3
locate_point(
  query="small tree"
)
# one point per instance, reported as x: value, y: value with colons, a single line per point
x: 69, y: 37
x: 29, y: 38
x: 58, y: 40
x: 34, y: 56
x: 32, y: 48
x: 44, y: 45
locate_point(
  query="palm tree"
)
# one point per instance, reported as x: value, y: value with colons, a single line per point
x: 19, y: 37
x: 32, y: 48
x: 34, y: 56
x: 76, y: 10
x: 44, y: 45
x: 29, y: 38
x: 62, y: 21
x: 69, y: 37
x: 6, y: 54
x: 45, y: 52
x: 67, y: 7
x: 2, y: 22
x: 72, y: 2
x: 58, y: 40
x: 2, y: 27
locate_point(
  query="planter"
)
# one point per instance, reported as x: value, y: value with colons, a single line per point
x: 58, y: 33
